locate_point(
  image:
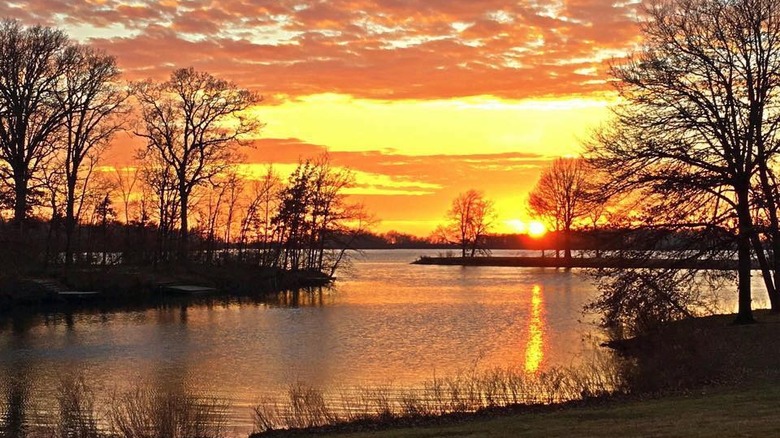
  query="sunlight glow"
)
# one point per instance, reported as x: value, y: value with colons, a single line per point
x: 475, y: 125
x: 534, y: 349
x: 536, y: 229
x: 517, y: 226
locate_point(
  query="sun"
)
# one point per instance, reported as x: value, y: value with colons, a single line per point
x: 536, y: 229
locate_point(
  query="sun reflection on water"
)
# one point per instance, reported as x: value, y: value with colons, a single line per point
x: 534, y: 349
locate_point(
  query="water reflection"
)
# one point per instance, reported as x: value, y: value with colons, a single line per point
x: 385, y: 322
x: 534, y: 349
x: 15, y: 403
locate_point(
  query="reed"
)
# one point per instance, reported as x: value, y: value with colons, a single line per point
x: 470, y: 391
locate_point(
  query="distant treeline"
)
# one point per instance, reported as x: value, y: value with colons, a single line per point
x: 588, y: 239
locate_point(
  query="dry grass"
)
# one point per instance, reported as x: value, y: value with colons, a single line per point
x: 77, y: 413
x: 145, y: 412
x: 152, y: 413
x: 305, y: 406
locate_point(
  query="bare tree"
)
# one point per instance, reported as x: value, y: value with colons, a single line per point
x: 160, y: 182
x: 92, y: 100
x: 126, y: 179
x: 700, y: 118
x: 259, y: 213
x: 561, y: 196
x: 468, y: 221
x: 32, y: 65
x: 313, y: 222
x: 193, y: 123
x: 235, y: 188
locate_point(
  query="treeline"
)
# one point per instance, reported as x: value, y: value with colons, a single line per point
x: 185, y: 198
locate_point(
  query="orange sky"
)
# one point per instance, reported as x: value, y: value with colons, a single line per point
x: 422, y: 98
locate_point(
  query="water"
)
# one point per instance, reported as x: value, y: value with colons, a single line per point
x: 385, y: 322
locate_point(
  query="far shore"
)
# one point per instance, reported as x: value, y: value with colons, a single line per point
x: 581, y: 262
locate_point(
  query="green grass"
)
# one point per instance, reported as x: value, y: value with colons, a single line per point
x: 722, y: 412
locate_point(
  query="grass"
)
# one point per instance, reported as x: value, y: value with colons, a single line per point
x: 144, y: 412
x: 724, y: 412
x: 449, y: 397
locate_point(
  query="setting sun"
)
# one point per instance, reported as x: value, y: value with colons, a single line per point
x: 536, y: 229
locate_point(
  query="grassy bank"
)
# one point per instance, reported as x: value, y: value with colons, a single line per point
x: 709, y: 412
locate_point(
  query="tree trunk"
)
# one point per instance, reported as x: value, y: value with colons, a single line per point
x: 744, y: 312
x: 70, y: 222
x: 184, y: 197
x: 20, y: 203
x: 766, y: 270
x: 774, y: 234
x: 774, y: 295
x: 567, y: 247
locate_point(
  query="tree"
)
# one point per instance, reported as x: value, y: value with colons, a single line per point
x: 193, y: 123
x: 561, y: 196
x: 699, y: 124
x: 314, y: 224
x: 468, y: 221
x: 258, y: 214
x: 91, y: 100
x: 32, y: 65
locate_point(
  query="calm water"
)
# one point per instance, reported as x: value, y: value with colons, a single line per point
x: 385, y: 321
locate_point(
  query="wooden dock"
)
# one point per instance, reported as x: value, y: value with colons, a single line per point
x: 55, y: 288
x: 187, y: 289
x: 78, y: 294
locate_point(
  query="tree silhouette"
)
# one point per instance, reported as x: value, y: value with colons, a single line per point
x: 92, y: 100
x: 192, y: 123
x: 32, y: 66
x: 698, y: 127
x: 561, y: 196
x: 313, y: 214
x: 468, y: 221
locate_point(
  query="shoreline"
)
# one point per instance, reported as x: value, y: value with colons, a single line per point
x: 118, y: 287
x: 576, y: 262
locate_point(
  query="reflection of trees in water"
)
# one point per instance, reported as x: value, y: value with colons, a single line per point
x: 16, y: 403
x: 307, y: 297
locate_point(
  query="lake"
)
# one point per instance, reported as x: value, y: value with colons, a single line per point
x: 384, y: 322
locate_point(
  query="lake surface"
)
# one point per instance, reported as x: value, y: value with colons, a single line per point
x: 385, y: 322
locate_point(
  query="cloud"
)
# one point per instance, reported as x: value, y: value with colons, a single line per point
x: 430, y: 171
x: 386, y: 49
x: 398, y: 187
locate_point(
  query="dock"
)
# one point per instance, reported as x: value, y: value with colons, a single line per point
x: 55, y: 288
x: 78, y: 294
x: 187, y: 289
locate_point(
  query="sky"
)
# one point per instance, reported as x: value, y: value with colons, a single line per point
x: 422, y: 99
